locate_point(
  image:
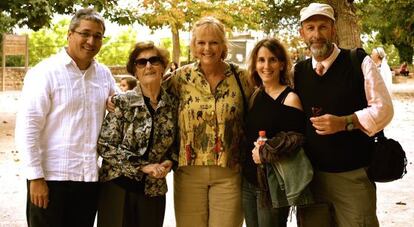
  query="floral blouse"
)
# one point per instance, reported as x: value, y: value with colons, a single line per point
x: 125, y: 134
x: 210, y: 123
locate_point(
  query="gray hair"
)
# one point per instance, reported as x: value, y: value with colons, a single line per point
x: 86, y: 14
x: 381, y: 52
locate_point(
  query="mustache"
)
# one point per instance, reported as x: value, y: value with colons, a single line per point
x: 319, y: 40
x: 322, y: 51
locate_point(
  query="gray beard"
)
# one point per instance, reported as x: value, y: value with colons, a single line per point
x: 323, y: 52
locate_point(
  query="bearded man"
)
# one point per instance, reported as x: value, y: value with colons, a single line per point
x: 344, y: 110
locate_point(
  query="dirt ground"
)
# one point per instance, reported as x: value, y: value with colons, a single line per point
x: 395, y: 200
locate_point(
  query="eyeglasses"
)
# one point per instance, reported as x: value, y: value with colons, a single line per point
x: 86, y: 35
x: 142, y: 62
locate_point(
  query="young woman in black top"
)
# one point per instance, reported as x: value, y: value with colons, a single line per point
x: 274, y: 108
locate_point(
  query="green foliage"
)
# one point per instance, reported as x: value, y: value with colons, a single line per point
x: 281, y: 15
x: 184, y: 49
x: 392, y: 53
x: 14, y: 61
x: 47, y: 41
x: 38, y: 13
x: 115, y: 50
x: 394, y: 22
x: 181, y: 14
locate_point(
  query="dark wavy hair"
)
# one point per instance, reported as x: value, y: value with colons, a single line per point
x: 280, y: 52
x: 142, y: 46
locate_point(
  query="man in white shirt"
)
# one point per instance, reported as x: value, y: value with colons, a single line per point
x: 63, y: 106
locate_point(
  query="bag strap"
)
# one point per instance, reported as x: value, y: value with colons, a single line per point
x: 253, y: 97
x: 236, y: 75
x: 356, y: 62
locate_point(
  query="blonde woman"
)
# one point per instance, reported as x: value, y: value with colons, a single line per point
x: 207, y: 183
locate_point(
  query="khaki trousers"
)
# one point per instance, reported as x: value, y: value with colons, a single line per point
x: 346, y: 199
x: 207, y: 196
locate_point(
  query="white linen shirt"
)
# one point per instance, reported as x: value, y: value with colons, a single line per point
x: 58, y: 124
x: 380, y: 109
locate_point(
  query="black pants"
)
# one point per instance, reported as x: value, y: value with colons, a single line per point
x: 122, y: 208
x: 71, y: 204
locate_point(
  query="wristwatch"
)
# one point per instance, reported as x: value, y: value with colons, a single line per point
x: 349, y: 123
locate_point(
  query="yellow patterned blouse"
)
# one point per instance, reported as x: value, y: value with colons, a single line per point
x: 210, y: 123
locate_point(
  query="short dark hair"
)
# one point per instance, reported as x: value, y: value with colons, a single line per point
x: 86, y: 14
x: 142, y: 46
x: 280, y: 52
x: 131, y: 82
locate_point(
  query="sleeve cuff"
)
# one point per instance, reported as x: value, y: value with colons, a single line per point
x: 32, y: 173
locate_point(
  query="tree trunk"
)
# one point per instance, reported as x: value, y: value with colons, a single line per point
x: 176, y: 45
x: 348, y: 30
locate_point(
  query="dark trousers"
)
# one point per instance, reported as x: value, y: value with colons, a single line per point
x: 71, y: 204
x: 122, y: 208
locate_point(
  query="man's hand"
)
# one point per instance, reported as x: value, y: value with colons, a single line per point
x: 110, y: 106
x: 328, y: 124
x: 39, y: 193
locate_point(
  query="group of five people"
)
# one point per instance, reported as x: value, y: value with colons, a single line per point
x: 203, y: 122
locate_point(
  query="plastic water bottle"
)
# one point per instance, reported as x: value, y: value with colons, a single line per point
x: 262, y: 138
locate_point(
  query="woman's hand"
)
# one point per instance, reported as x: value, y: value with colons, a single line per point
x: 155, y: 170
x: 167, y: 164
x: 255, y: 153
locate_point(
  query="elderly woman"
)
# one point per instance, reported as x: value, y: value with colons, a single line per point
x: 136, y: 146
x: 379, y: 57
x: 266, y: 201
x: 207, y: 183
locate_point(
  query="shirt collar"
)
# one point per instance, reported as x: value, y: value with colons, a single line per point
x: 137, y: 98
x: 67, y: 60
x: 227, y: 72
x: 329, y: 60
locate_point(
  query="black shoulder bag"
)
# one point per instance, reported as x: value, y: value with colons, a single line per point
x: 388, y: 161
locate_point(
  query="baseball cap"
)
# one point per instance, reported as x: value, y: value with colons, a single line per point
x: 317, y: 9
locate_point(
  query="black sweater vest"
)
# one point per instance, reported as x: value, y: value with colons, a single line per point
x: 339, y: 92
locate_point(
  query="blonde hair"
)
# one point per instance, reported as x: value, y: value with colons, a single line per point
x: 214, y: 25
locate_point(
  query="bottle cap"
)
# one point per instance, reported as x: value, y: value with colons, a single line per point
x: 262, y: 133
